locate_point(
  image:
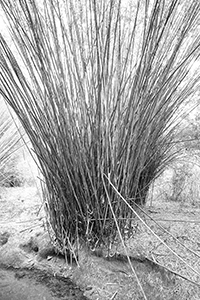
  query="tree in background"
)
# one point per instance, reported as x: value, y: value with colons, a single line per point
x: 9, y: 142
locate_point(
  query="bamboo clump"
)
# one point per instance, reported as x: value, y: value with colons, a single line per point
x: 97, y: 87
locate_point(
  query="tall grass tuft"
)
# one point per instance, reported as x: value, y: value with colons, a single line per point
x: 98, y: 87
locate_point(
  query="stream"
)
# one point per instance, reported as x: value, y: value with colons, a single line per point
x: 25, y: 284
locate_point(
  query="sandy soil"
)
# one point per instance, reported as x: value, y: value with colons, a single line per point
x: 25, y: 245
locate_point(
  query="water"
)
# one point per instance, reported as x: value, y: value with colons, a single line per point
x: 36, y: 285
